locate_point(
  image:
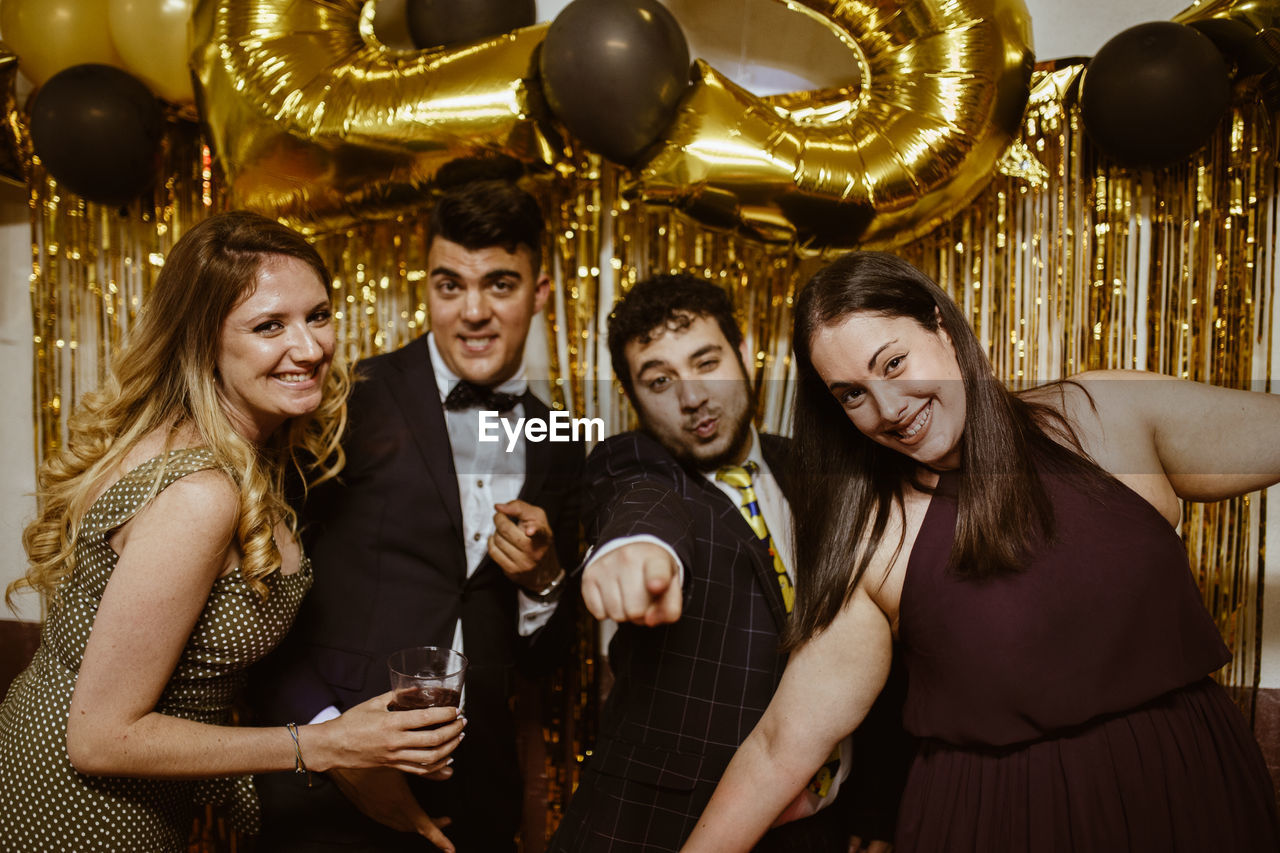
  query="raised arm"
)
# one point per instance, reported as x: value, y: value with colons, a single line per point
x: 171, y: 553
x: 639, y: 526
x: 1210, y: 443
x: 829, y: 685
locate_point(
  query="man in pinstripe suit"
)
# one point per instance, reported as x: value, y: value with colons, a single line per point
x: 690, y: 528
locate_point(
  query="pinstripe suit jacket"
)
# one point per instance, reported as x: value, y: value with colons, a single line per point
x: 687, y: 694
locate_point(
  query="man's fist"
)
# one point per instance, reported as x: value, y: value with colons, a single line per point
x: 639, y: 582
x: 522, y: 545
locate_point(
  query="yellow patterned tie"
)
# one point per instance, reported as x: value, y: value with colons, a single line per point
x: 739, y: 476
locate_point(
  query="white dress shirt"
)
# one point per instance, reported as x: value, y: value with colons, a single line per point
x: 487, y: 474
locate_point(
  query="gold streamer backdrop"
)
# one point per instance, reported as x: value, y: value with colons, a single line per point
x: 1064, y: 263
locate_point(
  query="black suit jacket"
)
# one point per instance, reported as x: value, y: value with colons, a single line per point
x: 386, y: 546
x: 685, y: 695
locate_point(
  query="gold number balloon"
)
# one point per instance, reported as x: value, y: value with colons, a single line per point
x: 1247, y: 31
x: 943, y: 87
x: 1255, y: 16
x: 318, y: 124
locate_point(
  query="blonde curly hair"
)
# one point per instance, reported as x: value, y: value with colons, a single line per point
x: 166, y: 378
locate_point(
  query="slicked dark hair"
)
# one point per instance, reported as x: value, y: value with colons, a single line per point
x: 486, y: 213
x: 664, y: 302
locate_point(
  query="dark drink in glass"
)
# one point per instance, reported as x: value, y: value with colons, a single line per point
x: 425, y: 697
x: 426, y: 677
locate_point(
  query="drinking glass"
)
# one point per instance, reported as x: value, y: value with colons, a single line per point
x: 426, y: 677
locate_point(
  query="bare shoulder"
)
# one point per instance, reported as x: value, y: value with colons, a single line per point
x: 160, y: 441
x: 211, y: 490
x: 1170, y: 438
x: 1086, y: 389
x: 887, y: 570
x: 1150, y: 402
x: 201, y: 508
x: 1109, y: 386
x: 1098, y: 403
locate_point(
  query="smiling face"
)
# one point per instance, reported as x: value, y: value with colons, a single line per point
x: 691, y: 391
x: 898, y: 382
x: 481, y: 304
x: 275, y: 348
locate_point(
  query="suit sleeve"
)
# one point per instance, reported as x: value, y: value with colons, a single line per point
x: 542, y: 650
x: 633, y: 487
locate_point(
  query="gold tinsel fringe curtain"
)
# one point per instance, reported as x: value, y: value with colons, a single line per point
x: 1069, y: 263
x: 1064, y: 263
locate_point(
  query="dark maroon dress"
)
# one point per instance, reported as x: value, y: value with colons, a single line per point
x: 1068, y: 707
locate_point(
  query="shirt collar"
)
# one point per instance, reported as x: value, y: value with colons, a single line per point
x: 518, y: 384
x: 753, y: 455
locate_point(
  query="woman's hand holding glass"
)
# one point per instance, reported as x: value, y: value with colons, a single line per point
x: 418, y: 741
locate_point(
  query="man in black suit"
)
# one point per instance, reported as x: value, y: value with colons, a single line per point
x: 690, y: 528
x: 434, y: 535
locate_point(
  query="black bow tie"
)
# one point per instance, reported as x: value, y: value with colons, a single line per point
x: 467, y: 395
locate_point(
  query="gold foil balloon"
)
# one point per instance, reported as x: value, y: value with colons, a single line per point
x: 391, y: 24
x: 943, y: 86
x: 1257, y: 14
x: 1247, y: 31
x: 151, y: 37
x: 444, y: 23
x: 316, y: 123
x: 50, y: 35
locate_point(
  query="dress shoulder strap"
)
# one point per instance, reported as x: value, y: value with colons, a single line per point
x: 127, y: 495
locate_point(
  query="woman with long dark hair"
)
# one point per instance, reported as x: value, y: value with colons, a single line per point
x: 1022, y: 548
x: 170, y: 562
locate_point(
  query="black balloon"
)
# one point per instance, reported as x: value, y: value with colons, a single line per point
x: 1154, y: 94
x: 613, y: 72
x: 440, y: 23
x: 97, y: 130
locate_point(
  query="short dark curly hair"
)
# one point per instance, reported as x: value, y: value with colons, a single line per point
x: 484, y: 213
x: 663, y: 302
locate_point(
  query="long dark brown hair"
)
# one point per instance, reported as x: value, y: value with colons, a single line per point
x: 852, y: 483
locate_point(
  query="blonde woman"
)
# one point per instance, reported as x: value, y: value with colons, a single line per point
x: 168, y: 556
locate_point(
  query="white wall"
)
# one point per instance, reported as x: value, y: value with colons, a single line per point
x: 17, y: 466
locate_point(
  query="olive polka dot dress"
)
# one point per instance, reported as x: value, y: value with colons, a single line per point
x: 45, y: 805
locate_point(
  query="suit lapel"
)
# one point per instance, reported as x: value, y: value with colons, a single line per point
x: 761, y: 562
x: 776, y: 452
x: 537, y: 454
x: 537, y: 462
x: 777, y: 455
x: 416, y: 393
